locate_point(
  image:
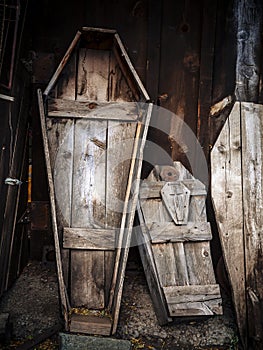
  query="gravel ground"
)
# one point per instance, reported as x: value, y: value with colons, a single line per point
x: 33, y: 306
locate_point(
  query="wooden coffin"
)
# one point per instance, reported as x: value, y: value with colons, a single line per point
x: 173, y: 241
x: 237, y: 192
x: 94, y: 120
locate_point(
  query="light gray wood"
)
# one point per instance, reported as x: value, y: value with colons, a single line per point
x: 165, y: 263
x: 62, y: 64
x: 169, y: 232
x: 146, y: 117
x: 88, y: 211
x: 90, y: 324
x: 176, y: 198
x: 62, y: 289
x: 123, y: 111
x: 193, y: 293
x: 154, y: 211
x: 206, y: 308
x: 226, y: 190
x: 87, y: 238
x: 119, y: 154
x: 93, y: 73
x: 252, y: 173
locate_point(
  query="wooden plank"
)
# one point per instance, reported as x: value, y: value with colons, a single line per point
x: 165, y: 264
x: 62, y: 64
x: 252, y: 172
x: 61, y: 108
x: 151, y: 189
x: 154, y: 211
x: 90, y: 324
x: 143, y: 241
x: 227, y: 199
x: 120, y: 140
x: 87, y: 279
x: 176, y: 198
x: 147, y: 113
x: 193, y: 293
x: 62, y: 289
x: 207, y: 308
x: 169, y: 232
x: 93, y: 74
x: 88, y: 193
x: 88, y: 211
x: 94, y: 239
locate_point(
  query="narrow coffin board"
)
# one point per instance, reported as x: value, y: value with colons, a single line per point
x: 60, y: 108
x: 81, y: 238
x: 193, y: 300
x: 169, y: 232
x: 90, y: 324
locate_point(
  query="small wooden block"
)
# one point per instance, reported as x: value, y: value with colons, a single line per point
x: 90, y: 324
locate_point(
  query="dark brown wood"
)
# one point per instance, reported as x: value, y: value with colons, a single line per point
x: 249, y: 51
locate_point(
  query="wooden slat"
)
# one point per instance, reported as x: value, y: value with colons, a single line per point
x: 135, y: 178
x: 252, y: 173
x: 227, y: 200
x: 154, y: 211
x: 82, y: 238
x: 90, y: 324
x: 61, y: 108
x: 169, y: 232
x: 93, y: 74
x: 62, y: 289
x: 151, y: 274
x: 88, y: 211
x: 207, y: 308
x: 165, y: 263
x: 62, y: 64
x: 189, y: 294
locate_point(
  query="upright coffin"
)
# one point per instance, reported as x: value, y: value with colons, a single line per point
x: 94, y: 119
x: 237, y: 193
x: 173, y: 239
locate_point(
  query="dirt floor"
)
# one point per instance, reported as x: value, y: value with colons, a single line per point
x: 33, y: 305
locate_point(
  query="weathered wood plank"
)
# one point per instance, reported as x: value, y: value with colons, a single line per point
x: 165, y: 263
x: 227, y: 199
x: 62, y: 289
x: 120, y: 139
x: 143, y: 240
x: 154, y: 211
x: 193, y: 293
x: 252, y: 174
x: 169, y: 232
x: 94, y: 239
x: 206, y: 308
x: 93, y: 73
x: 87, y: 279
x: 61, y: 108
x: 90, y: 324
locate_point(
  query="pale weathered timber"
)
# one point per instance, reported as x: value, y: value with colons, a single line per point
x: 180, y: 252
x: 97, y: 126
x: 93, y: 239
x: 192, y: 231
x: 252, y: 173
x: 62, y: 108
x: 226, y: 190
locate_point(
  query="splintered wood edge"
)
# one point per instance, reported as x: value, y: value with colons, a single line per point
x: 90, y: 324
